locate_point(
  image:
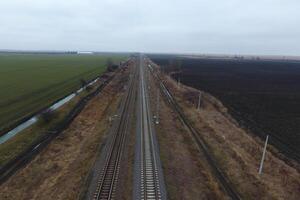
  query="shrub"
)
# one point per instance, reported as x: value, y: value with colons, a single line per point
x: 48, y: 115
x: 88, y: 88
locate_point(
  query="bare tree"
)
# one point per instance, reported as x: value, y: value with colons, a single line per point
x: 83, y: 83
x: 48, y: 115
x: 109, y: 62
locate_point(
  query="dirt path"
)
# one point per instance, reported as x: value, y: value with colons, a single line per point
x: 60, y: 171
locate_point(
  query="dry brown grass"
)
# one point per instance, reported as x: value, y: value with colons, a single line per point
x: 186, y: 172
x: 125, y: 180
x: 125, y: 186
x: 237, y: 151
x: 59, y: 172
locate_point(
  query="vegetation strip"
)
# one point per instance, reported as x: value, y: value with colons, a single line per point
x: 219, y: 174
x: 24, y: 119
x: 30, y: 82
x: 11, y: 167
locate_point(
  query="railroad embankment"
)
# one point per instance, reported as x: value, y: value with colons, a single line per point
x: 187, y: 174
x: 60, y: 170
x: 237, y: 151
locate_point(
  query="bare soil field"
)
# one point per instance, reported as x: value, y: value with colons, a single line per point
x: 262, y: 95
x: 237, y: 152
x: 61, y: 170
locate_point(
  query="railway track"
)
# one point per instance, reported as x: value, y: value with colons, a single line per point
x: 108, y: 175
x: 219, y: 174
x: 149, y: 183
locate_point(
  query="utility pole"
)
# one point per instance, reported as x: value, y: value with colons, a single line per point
x: 157, y: 108
x: 199, y: 100
x: 148, y: 75
x: 263, y: 156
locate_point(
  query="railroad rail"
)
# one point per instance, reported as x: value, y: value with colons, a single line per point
x: 219, y: 174
x: 150, y: 183
x: 109, y: 173
x: 148, y: 177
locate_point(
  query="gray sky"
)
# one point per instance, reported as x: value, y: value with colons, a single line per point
x: 182, y: 26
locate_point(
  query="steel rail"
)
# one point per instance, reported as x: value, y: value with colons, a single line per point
x: 109, y: 174
x: 150, y: 186
x: 219, y: 174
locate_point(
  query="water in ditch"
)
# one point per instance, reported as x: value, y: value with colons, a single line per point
x: 34, y: 119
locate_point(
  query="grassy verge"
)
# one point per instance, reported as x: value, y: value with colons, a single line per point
x: 10, y: 149
x: 59, y: 171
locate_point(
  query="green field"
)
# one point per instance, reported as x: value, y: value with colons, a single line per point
x: 29, y: 82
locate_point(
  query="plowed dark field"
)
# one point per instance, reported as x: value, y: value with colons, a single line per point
x: 262, y: 95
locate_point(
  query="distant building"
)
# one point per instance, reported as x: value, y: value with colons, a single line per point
x: 85, y: 52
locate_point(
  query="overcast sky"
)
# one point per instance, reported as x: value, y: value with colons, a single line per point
x: 183, y: 26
